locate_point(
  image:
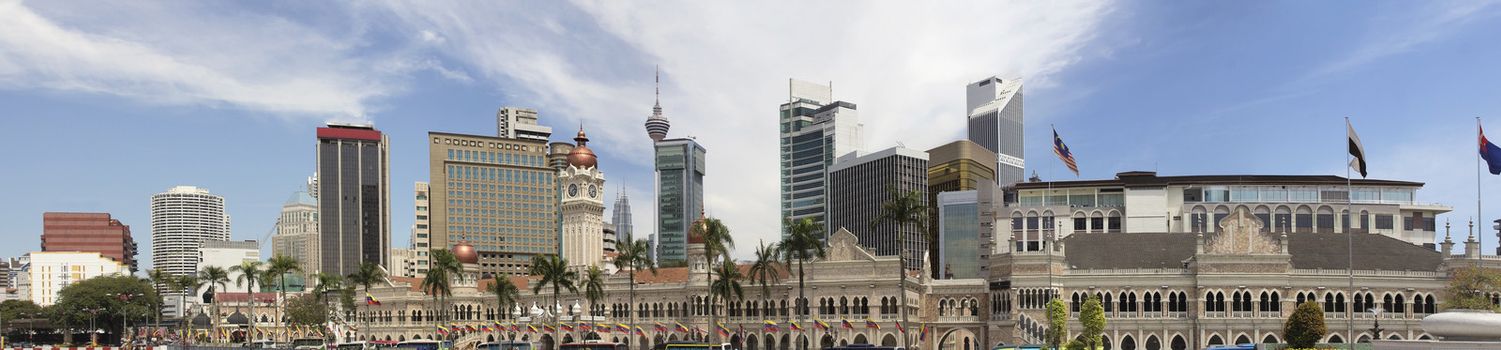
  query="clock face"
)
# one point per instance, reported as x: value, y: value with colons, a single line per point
x: 593, y: 191
x: 573, y: 190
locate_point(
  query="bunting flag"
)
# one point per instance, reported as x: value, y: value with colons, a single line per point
x: 794, y: 326
x: 549, y: 328
x: 1061, y: 150
x: 723, y: 331
x: 1490, y: 153
x: 1356, y: 150
x: 531, y: 329
x: 845, y: 323
x: 922, y: 333
x: 602, y: 328
x: 659, y: 327
x: 621, y: 327
x: 470, y: 328
x: 640, y: 332
x: 900, y: 329
x: 771, y: 327
x: 485, y: 328
x: 680, y: 328
x: 820, y: 324
x: 443, y: 331
x: 585, y: 327
x: 454, y: 327
x: 871, y: 324
x: 565, y: 327
x: 515, y: 327
x: 370, y: 300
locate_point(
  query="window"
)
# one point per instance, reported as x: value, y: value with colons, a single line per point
x: 1216, y: 194
x: 1383, y: 222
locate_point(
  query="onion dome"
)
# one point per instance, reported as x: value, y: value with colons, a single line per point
x: 656, y: 124
x: 465, y: 253
x: 238, y: 318
x: 582, y: 156
x: 697, y: 228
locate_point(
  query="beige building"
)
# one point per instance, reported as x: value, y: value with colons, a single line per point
x: 417, y: 262
x: 497, y: 194
x: 44, y: 274
x: 297, y: 232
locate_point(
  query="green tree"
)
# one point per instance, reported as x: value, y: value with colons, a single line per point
x: 554, y: 272
x: 120, y: 297
x: 306, y: 310
x: 726, y: 287
x: 903, y: 208
x: 1057, y: 323
x: 250, y: 273
x: 159, y: 279
x: 279, y: 266
x: 594, y: 286
x: 214, y: 277
x: 505, y: 293
x: 1305, y: 326
x: 1468, y: 287
x: 11, y: 310
x: 717, y: 246
x: 764, y: 270
x: 368, y: 275
x: 804, y: 242
x: 438, y: 284
x: 634, y: 256
x: 1092, y: 319
x: 327, y: 283
x: 182, y: 285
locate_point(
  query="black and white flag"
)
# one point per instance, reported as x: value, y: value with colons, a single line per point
x: 1356, y: 150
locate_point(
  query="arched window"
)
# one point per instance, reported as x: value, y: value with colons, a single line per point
x: 1074, y: 302
x: 1401, y: 304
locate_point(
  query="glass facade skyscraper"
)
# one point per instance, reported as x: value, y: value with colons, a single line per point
x: 994, y: 107
x: 354, y: 206
x: 680, y: 196
x: 814, y: 132
x: 959, y: 234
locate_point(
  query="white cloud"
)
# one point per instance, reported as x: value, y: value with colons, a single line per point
x: 725, y: 68
x: 237, y: 60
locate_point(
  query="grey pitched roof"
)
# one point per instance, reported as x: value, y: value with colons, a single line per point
x: 1308, y: 250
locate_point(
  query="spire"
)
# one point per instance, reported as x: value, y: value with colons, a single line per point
x: 657, y: 108
x: 656, y: 124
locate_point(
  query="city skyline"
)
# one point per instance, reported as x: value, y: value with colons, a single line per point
x: 1214, y: 89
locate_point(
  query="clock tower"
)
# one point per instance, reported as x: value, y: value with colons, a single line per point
x: 583, y: 206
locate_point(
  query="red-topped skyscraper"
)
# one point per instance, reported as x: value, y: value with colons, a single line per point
x: 354, y: 205
x: 89, y: 232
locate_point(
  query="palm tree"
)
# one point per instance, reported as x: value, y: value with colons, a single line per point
x: 250, y: 272
x: 555, y: 272
x: 437, y: 283
x: 634, y: 256
x: 764, y: 270
x: 804, y: 242
x: 214, y: 277
x: 505, y: 294
x: 726, y: 287
x: 327, y: 282
x: 279, y: 266
x: 903, y: 208
x: 368, y: 275
x: 717, y: 245
x: 183, y: 284
x: 158, y: 279
x: 594, y: 287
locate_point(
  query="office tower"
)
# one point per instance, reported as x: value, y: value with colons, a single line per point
x: 994, y: 107
x: 815, y: 130
x: 297, y: 232
x: 497, y: 194
x: 520, y: 123
x: 89, y: 232
x: 621, y: 216
x: 610, y: 240
x: 421, y: 231
x: 957, y: 166
x: 227, y: 254
x: 45, y: 274
x: 583, y: 205
x: 182, y: 218
x: 958, y: 239
x: 680, y: 196
x: 557, y: 155
x: 651, y: 248
x: 860, y: 183
x: 354, y: 204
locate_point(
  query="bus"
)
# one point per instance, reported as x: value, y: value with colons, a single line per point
x: 506, y: 345
x: 689, y: 345
x: 355, y: 345
x: 863, y: 347
x: 1019, y: 347
x: 419, y: 344
x: 593, y: 345
x: 308, y: 344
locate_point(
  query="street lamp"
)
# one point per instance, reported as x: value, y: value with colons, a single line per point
x: 93, y: 329
x: 1376, y: 328
x: 124, y: 298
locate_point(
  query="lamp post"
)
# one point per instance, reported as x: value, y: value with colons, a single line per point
x: 1376, y: 328
x: 124, y: 298
x: 93, y: 329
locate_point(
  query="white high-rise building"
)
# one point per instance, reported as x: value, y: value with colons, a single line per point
x: 421, y: 233
x: 583, y: 206
x: 815, y: 130
x: 520, y: 123
x: 297, y: 232
x: 182, y: 218
x: 994, y: 107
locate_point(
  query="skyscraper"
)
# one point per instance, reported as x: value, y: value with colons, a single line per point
x: 421, y: 229
x: 954, y: 167
x: 354, y: 204
x: 858, y: 186
x: 520, y: 123
x: 297, y: 232
x: 89, y: 232
x: 182, y: 218
x: 621, y: 217
x: 814, y: 131
x: 583, y: 206
x: 994, y: 107
x: 497, y: 194
x: 679, y: 165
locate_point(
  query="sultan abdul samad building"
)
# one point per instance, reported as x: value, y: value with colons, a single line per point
x: 1180, y: 262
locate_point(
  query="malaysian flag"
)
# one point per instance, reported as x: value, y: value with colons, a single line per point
x: 1063, y: 153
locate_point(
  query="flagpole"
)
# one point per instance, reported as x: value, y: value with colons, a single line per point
x: 1350, y: 233
x: 1478, y: 212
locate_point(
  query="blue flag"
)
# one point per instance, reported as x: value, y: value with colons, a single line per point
x: 1490, y: 153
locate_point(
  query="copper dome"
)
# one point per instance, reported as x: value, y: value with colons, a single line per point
x: 465, y: 253
x: 582, y: 156
x: 697, y: 228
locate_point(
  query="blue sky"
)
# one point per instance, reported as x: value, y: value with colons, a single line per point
x: 108, y: 103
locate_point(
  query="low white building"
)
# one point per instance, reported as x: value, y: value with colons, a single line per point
x: 226, y: 255
x: 44, y: 274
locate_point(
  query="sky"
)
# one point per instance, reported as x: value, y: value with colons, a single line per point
x: 107, y: 103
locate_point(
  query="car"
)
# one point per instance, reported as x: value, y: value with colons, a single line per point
x: 506, y: 345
